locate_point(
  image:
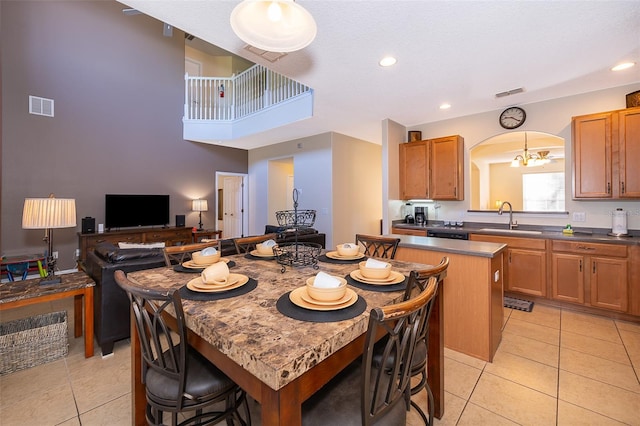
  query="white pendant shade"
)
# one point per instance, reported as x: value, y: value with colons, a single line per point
x: 46, y: 213
x: 273, y: 25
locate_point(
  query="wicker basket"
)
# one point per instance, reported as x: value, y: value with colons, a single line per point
x: 32, y: 341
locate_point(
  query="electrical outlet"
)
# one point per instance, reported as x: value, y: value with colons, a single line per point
x: 579, y: 216
x: 55, y: 254
x: 496, y: 276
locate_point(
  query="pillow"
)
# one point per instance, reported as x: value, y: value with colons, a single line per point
x: 140, y: 245
x: 113, y: 254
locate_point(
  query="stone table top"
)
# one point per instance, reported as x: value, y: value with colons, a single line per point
x: 252, y: 332
x: 20, y: 290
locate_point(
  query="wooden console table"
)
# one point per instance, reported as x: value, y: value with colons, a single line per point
x: 206, y: 233
x: 78, y: 284
x: 169, y: 236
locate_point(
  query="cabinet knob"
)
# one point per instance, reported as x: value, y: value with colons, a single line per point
x: 623, y: 187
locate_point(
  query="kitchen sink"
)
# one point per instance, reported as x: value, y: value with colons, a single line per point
x: 511, y: 231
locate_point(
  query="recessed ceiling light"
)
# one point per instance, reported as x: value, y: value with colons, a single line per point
x: 387, y: 61
x: 623, y: 66
x: 445, y: 106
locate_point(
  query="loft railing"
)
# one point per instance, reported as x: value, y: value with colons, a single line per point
x: 221, y: 99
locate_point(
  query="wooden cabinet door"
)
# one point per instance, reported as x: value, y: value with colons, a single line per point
x: 592, y: 156
x: 446, y: 168
x: 414, y: 170
x: 608, y: 283
x: 404, y: 231
x: 527, y: 271
x: 629, y: 153
x: 567, y: 277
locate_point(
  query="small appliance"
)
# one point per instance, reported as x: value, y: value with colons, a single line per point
x: 421, y: 215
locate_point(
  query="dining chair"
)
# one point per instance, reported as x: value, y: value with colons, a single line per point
x: 418, y: 282
x: 176, y: 255
x: 374, y: 391
x: 177, y: 378
x: 247, y: 244
x: 378, y: 246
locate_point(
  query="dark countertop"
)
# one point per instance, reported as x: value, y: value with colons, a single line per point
x: 593, y: 235
x: 465, y: 247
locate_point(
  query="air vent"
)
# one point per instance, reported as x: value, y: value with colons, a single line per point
x: 269, y: 56
x: 509, y: 92
x: 40, y: 106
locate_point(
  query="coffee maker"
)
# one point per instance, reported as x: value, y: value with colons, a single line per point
x: 420, y: 215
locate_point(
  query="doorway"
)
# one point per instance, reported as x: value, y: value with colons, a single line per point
x: 232, y: 204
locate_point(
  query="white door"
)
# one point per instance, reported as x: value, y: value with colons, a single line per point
x: 232, y: 188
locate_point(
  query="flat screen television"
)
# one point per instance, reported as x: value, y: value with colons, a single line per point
x: 125, y: 210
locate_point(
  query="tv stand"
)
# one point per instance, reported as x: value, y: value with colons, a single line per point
x: 169, y: 236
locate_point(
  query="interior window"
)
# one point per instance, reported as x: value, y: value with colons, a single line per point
x: 543, y: 191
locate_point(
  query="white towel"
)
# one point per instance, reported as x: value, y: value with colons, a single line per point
x: 209, y: 251
x: 325, y: 280
x: 349, y: 245
x: 268, y: 243
x: 375, y: 264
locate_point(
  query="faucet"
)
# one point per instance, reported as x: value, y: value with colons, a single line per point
x: 512, y: 224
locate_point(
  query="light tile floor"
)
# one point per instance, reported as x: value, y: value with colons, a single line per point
x: 553, y: 367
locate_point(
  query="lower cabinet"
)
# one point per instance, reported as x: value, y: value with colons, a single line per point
x: 590, y: 274
x: 526, y: 263
x: 405, y: 231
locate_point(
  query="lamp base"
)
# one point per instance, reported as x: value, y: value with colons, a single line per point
x: 51, y: 280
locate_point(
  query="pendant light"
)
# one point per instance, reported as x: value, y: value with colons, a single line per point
x: 525, y: 159
x: 273, y: 25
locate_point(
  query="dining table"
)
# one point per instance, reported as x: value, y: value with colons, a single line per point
x: 278, y: 351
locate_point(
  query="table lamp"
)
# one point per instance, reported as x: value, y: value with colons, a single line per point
x: 199, y: 206
x: 49, y: 213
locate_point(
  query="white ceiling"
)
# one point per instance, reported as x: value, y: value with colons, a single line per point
x: 459, y: 52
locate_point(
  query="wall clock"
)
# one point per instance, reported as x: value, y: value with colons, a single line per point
x: 512, y: 117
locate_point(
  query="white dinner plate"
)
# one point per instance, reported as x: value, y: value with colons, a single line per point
x: 334, y: 255
x: 238, y: 280
x: 394, y: 277
x: 296, y: 298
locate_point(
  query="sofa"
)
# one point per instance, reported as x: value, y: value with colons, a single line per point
x: 111, y: 310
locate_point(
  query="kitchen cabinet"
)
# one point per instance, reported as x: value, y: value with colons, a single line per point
x: 405, y: 231
x: 525, y: 265
x: 432, y: 169
x: 590, y: 274
x: 605, y: 148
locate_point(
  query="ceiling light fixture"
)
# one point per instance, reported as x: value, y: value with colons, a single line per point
x: 387, y: 61
x: 445, y: 106
x: 623, y: 66
x: 528, y: 160
x: 273, y: 25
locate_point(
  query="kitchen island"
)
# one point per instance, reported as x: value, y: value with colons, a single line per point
x: 473, y: 294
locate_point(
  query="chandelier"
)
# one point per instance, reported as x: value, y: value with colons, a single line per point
x: 527, y: 159
x: 273, y: 25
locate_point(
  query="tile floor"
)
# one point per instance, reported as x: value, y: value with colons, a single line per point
x: 553, y: 367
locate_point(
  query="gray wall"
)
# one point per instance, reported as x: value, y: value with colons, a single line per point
x: 118, y: 86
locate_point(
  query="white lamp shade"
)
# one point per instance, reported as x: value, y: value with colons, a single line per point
x: 46, y: 213
x: 199, y: 206
x: 273, y: 25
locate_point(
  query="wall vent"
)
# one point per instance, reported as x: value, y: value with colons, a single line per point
x: 509, y: 92
x: 40, y: 106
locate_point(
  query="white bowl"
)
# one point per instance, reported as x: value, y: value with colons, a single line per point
x: 262, y: 249
x: 374, y: 273
x: 347, y: 251
x: 326, y: 294
x: 199, y: 259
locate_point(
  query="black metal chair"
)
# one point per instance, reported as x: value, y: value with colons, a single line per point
x: 365, y: 393
x: 246, y: 244
x: 177, y: 378
x: 378, y: 246
x: 418, y: 282
x: 176, y: 255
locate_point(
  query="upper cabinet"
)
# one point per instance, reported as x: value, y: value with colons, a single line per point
x: 432, y: 169
x: 605, y: 148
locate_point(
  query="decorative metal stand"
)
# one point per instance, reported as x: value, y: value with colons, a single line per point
x: 297, y: 254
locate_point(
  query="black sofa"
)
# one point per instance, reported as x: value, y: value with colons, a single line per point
x: 111, y: 311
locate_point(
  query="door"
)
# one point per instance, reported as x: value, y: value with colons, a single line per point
x: 232, y: 218
x: 608, y: 279
x: 592, y: 156
x: 629, y: 143
x: 568, y: 277
x: 527, y: 271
